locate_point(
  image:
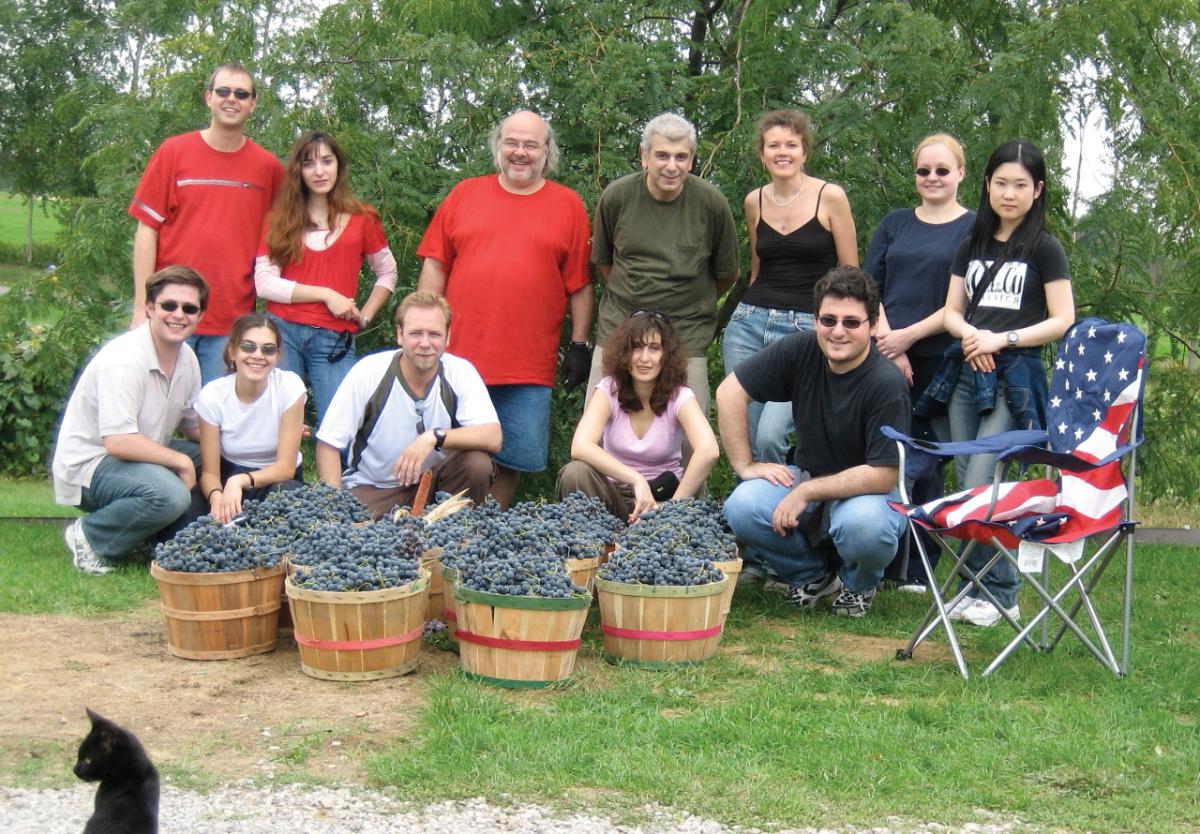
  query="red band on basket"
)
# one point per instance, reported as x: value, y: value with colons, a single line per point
x: 636, y: 634
x: 359, y: 645
x: 528, y: 645
x: 449, y: 615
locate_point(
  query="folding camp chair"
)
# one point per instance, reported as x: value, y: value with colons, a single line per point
x: 1082, y: 517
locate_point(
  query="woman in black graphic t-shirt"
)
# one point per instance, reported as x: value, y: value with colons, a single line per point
x: 800, y: 227
x: 1010, y: 293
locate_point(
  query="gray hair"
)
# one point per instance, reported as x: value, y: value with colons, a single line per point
x: 670, y: 126
x: 552, y: 152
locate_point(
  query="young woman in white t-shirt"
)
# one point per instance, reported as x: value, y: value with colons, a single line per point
x: 631, y: 433
x: 251, y: 420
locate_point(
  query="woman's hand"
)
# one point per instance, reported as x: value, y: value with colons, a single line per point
x: 895, y: 342
x: 228, y: 502
x: 979, y: 346
x: 905, y: 367
x: 341, y: 307
x: 643, y: 499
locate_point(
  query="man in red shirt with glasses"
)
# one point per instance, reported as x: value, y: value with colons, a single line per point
x: 823, y: 524
x: 201, y: 202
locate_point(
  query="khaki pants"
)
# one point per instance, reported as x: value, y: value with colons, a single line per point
x: 471, y: 470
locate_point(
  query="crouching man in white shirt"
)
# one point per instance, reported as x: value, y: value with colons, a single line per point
x: 400, y: 413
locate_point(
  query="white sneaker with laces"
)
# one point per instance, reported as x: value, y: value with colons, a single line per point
x: 985, y: 615
x: 957, y: 613
x: 82, y: 555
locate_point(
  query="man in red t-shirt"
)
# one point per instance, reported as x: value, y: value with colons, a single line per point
x: 510, y: 253
x: 201, y: 203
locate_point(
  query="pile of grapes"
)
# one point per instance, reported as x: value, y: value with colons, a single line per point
x: 459, y: 528
x: 207, y: 546
x: 673, y: 545
x: 577, y: 527
x: 505, y: 556
x: 342, y: 557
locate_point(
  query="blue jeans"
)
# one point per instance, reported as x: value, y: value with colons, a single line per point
x: 524, y: 412
x: 966, y: 423
x: 863, y: 529
x: 208, y: 350
x: 129, y: 502
x: 306, y: 351
x: 751, y: 329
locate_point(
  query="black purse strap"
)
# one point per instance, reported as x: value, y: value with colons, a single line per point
x: 985, y: 281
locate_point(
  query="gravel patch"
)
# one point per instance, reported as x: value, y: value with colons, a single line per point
x: 317, y: 810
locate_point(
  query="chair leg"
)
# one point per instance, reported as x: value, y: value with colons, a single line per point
x: 938, y: 613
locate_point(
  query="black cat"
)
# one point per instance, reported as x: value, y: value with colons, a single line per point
x: 127, y: 799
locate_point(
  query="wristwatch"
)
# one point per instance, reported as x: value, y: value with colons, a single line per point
x: 439, y: 438
x: 1012, y: 338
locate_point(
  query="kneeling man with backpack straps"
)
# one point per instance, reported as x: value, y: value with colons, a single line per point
x: 400, y: 413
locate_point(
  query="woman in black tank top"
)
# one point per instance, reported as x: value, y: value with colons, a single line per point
x: 800, y: 227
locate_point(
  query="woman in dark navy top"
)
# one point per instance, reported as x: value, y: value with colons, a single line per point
x: 909, y: 258
x: 800, y: 227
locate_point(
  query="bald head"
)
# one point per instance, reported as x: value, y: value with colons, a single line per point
x: 524, y: 150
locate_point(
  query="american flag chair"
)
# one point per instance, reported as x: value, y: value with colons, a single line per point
x: 1094, y: 429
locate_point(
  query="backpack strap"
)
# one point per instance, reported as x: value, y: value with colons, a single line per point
x: 379, y: 398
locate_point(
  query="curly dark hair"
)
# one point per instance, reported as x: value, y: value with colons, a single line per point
x: 618, y: 350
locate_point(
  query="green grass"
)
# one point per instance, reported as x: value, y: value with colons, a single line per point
x: 38, y: 577
x: 13, y: 216
x: 30, y: 498
x: 792, y: 725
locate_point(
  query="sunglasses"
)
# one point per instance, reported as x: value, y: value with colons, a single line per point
x: 168, y: 306
x: 268, y: 348
x: 941, y: 171
x: 223, y: 92
x: 850, y: 323
x: 341, y: 346
x: 655, y: 314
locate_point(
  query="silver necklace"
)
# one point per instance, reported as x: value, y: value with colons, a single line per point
x: 789, y: 200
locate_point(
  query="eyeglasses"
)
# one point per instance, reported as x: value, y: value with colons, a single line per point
x: 238, y: 93
x: 652, y: 313
x: 341, y: 347
x: 268, y: 349
x: 850, y: 323
x: 528, y: 147
x: 169, y: 306
x: 941, y: 171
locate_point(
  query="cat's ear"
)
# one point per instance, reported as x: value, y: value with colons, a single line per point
x: 95, y: 717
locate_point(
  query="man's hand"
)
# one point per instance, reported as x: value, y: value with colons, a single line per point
x: 186, y: 470
x: 576, y: 365
x: 787, y: 512
x: 776, y: 473
x: 407, y: 469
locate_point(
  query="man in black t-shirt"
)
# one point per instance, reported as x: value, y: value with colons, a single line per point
x: 842, y: 392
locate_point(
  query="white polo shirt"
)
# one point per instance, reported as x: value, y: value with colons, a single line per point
x: 396, y: 427
x: 121, y: 391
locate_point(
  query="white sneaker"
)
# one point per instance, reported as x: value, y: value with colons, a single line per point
x: 84, y: 558
x: 985, y: 615
x: 957, y: 613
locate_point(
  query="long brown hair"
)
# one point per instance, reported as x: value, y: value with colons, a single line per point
x: 631, y: 334
x: 288, y: 220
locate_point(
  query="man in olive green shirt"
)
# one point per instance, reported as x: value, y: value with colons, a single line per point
x: 664, y: 239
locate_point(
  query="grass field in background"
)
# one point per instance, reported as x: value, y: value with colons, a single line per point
x: 802, y: 718
x: 13, y: 213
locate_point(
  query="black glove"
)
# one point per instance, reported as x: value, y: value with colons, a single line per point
x: 576, y: 365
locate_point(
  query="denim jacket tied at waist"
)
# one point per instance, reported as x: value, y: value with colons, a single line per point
x: 1025, y: 386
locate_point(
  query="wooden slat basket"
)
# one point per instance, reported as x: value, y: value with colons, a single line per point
x: 219, y: 616
x: 431, y: 559
x: 518, y: 642
x: 359, y: 635
x: 661, y: 626
x: 731, y: 569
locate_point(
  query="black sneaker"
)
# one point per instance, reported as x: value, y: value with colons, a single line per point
x: 808, y: 594
x: 851, y: 604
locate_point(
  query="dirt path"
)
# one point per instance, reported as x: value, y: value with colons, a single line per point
x: 219, y: 720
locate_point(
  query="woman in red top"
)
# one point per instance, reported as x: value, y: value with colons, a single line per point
x: 316, y: 240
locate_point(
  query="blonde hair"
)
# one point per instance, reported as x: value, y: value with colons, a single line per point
x: 952, y: 144
x: 422, y: 298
